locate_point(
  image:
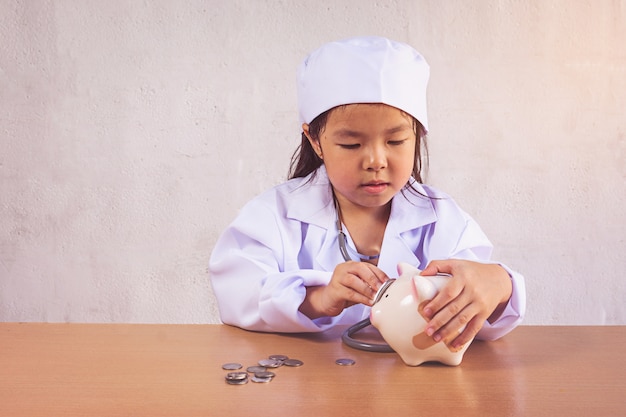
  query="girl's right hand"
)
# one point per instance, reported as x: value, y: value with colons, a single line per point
x: 352, y: 283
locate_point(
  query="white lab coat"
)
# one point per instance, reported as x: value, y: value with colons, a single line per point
x: 286, y: 239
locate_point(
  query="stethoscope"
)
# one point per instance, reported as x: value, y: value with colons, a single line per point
x: 348, y: 333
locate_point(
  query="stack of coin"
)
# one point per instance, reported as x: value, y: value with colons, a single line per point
x: 263, y: 376
x: 237, y: 378
x: 259, y: 372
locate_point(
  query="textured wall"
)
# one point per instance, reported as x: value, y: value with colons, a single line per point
x: 131, y: 132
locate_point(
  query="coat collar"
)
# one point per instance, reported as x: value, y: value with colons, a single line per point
x: 311, y: 202
x: 311, y: 199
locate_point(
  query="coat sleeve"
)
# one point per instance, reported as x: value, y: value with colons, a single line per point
x: 512, y: 315
x: 248, y: 276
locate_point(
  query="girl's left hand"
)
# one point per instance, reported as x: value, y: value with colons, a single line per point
x: 476, y: 292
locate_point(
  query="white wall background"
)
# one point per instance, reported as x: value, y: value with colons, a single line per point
x: 131, y: 132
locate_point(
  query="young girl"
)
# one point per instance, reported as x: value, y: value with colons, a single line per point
x: 312, y: 252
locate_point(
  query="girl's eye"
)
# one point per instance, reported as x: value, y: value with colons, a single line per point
x: 349, y: 146
x: 396, y: 142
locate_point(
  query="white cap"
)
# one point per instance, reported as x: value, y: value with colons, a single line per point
x: 363, y: 70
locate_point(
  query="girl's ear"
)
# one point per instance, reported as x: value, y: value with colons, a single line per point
x: 315, y: 143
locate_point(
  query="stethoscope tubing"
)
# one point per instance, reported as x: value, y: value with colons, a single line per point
x: 347, y: 338
x: 358, y: 344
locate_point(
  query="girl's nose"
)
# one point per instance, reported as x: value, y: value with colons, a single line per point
x: 376, y: 159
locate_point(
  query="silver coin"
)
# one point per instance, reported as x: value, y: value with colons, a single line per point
x: 236, y: 376
x: 265, y: 374
x: 260, y: 380
x: 279, y: 357
x: 293, y: 362
x: 345, y: 362
x: 237, y: 381
x: 255, y: 369
x: 233, y: 366
x: 270, y: 363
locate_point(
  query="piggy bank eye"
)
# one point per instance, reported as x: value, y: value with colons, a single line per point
x: 382, y: 291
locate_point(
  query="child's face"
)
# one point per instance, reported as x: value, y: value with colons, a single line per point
x: 368, y: 151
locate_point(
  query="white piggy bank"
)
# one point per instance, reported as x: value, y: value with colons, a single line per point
x: 398, y: 317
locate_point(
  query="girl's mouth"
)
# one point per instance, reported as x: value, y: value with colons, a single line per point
x: 375, y: 187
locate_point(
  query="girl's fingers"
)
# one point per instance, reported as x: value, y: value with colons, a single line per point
x: 370, y: 277
x: 446, y: 303
x: 453, y: 324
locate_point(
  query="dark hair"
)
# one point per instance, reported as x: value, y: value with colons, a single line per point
x: 305, y: 161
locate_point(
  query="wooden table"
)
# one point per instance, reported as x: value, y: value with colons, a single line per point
x: 176, y: 370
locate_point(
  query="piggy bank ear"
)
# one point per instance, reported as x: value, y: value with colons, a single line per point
x: 424, y: 287
x: 407, y: 269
